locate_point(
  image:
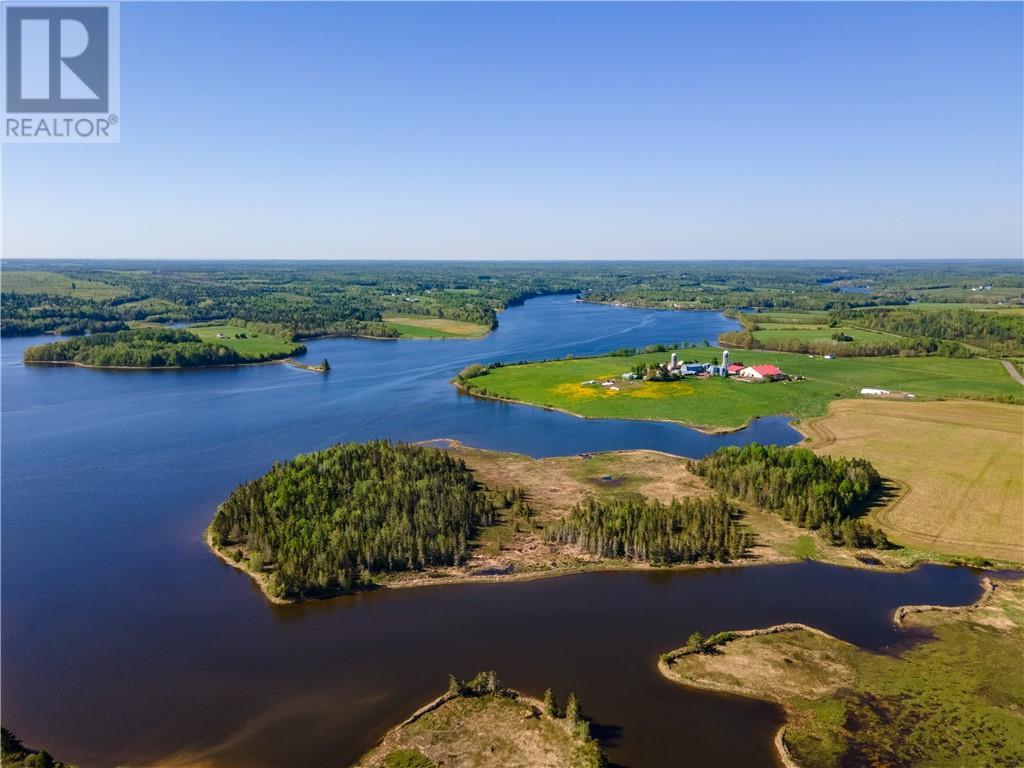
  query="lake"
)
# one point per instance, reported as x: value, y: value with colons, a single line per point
x: 125, y: 642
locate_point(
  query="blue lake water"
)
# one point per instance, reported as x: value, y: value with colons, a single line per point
x: 126, y: 642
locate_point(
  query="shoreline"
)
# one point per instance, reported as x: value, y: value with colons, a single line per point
x: 74, y: 364
x: 258, y: 578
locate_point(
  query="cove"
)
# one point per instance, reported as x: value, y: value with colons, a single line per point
x: 125, y: 641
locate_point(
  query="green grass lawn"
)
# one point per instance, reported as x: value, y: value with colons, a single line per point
x: 718, y: 403
x: 424, y: 327
x: 18, y: 281
x: 254, y: 343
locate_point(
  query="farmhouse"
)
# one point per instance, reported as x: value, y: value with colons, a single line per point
x: 762, y: 373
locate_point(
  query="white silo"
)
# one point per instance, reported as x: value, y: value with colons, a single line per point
x: 725, y: 358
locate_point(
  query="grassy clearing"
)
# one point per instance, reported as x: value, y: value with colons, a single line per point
x: 772, y: 333
x: 55, y: 284
x: 974, y: 306
x: 789, y: 317
x: 953, y: 701
x: 511, y: 731
x: 960, y: 465
x: 245, y: 341
x: 553, y: 486
x: 729, y: 404
x: 805, y: 547
x: 420, y: 327
x: 515, y: 548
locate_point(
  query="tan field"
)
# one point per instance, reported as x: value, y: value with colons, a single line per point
x: 959, y: 465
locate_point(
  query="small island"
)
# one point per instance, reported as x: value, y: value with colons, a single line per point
x: 953, y: 700
x: 166, y: 348
x: 480, y: 722
x: 358, y: 516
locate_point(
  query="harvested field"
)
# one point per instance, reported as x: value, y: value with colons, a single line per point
x: 959, y: 465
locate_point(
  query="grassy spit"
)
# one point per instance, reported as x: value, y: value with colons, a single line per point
x: 955, y: 700
x: 423, y: 327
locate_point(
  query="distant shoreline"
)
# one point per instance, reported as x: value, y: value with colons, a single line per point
x: 75, y: 364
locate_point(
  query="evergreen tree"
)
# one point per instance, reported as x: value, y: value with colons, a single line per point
x: 572, y: 710
x: 550, y: 704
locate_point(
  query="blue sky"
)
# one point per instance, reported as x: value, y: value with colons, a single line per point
x: 543, y: 131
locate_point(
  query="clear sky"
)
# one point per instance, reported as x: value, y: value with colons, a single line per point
x: 543, y: 131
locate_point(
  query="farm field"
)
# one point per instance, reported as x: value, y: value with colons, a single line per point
x: 31, y: 281
x: 775, y: 316
x: 245, y: 341
x: 976, y: 306
x: 422, y: 327
x: 953, y: 700
x: 718, y: 403
x: 768, y: 333
x: 960, y: 464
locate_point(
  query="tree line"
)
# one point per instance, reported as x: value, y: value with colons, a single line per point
x: 143, y: 348
x: 330, y: 521
x: 841, y: 347
x: 349, y: 299
x: 817, y: 492
x: 635, y: 528
x: 14, y: 754
x: 1002, y: 333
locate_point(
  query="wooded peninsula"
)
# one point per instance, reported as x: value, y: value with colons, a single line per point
x: 356, y: 516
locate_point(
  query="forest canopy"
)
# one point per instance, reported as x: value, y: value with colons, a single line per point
x: 818, y: 492
x: 329, y: 521
x: 635, y: 528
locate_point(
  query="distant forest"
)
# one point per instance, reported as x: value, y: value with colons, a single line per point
x: 351, y: 298
x: 635, y: 528
x: 143, y: 348
x: 997, y: 332
x: 817, y: 492
x: 327, y: 522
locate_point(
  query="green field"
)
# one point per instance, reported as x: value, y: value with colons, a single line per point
x: 244, y: 341
x: 973, y: 305
x: 768, y: 333
x: 425, y: 327
x: 18, y: 281
x: 787, y: 317
x: 718, y: 403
